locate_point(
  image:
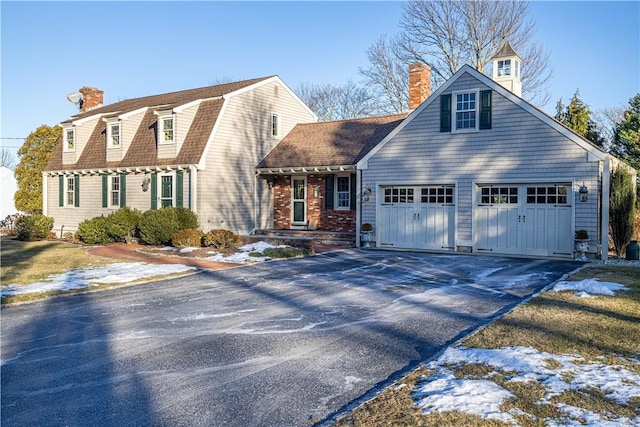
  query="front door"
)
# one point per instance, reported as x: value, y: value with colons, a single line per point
x: 298, y: 200
x: 166, y: 191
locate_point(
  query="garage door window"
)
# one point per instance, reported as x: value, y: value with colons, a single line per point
x: 398, y: 195
x: 547, y: 195
x: 437, y: 195
x: 499, y: 195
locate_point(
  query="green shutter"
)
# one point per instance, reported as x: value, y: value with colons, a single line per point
x: 328, y: 192
x: 179, y: 192
x: 485, y: 109
x: 154, y: 191
x: 445, y: 113
x: 123, y: 189
x: 352, y: 191
x: 105, y: 190
x: 76, y: 196
x: 60, y: 190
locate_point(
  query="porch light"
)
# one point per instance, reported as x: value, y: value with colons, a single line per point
x: 316, y: 191
x: 367, y: 194
x: 583, y: 192
x: 145, y: 183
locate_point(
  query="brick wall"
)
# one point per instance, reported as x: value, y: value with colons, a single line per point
x: 328, y: 220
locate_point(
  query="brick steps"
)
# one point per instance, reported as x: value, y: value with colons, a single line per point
x: 304, y: 238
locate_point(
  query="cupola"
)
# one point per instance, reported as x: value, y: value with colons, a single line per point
x: 507, y: 68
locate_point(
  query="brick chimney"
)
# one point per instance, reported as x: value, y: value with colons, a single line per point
x: 419, y: 84
x: 92, y: 98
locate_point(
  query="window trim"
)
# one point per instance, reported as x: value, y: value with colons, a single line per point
x: 275, y: 125
x: 111, y: 191
x: 501, y: 68
x: 72, y: 131
x: 110, y: 127
x: 454, y: 111
x: 336, y: 193
x: 70, y: 194
x: 161, y: 130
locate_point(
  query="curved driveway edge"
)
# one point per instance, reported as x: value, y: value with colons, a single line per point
x: 285, y: 343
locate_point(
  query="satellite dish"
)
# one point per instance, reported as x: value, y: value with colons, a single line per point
x: 75, y: 98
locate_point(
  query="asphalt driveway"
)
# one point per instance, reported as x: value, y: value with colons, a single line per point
x: 284, y: 343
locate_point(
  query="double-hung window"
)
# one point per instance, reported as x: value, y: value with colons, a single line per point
x: 115, y: 191
x: 343, y: 192
x: 70, y: 139
x: 166, y: 129
x: 113, y: 135
x: 466, y: 109
x: 70, y: 191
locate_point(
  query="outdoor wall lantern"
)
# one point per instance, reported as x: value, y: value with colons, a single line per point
x: 316, y: 191
x: 367, y: 194
x: 583, y: 192
x: 145, y: 183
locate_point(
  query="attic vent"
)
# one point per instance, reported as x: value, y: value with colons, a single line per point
x: 275, y: 91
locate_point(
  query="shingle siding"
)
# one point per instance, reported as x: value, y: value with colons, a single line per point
x: 518, y: 148
x: 241, y: 140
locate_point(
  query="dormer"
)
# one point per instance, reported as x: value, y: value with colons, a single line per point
x: 166, y: 133
x: 113, y: 138
x: 507, y: 68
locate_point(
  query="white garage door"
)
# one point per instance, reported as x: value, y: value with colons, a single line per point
x: 533, y: 219
x: 417, y: 217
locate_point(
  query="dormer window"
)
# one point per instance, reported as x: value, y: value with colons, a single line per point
x: 70, y: 139
x: 166, y: 129
x: 275, y: 125
x: 504, y: 67
x: 113, y: 135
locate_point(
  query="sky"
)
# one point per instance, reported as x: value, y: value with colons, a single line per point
x: 133, y: 49
x: 441, y: 391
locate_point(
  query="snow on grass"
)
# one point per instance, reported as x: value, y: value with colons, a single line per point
x: 442, y: 391
x: 242, y: 255
x: 94, y: 276
x: 587, y: 286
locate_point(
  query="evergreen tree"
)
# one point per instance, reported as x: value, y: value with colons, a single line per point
x: 577, y: 117
x: 34, y: 156
x: 626, y: 137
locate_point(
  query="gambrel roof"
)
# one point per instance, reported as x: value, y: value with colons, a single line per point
x: 326, y: 145
x: 143, y: 150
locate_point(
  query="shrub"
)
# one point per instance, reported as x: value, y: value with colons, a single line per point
x: 122, y: 225
x: 285, y: 252
x: 157, y: 227
x: 221, y: 239
x: 187, y: 219
x: 69, y: 236
x: 31, y: 227
x: 621, y: 209
x: 187, y: 238
x: 94, y: 231
x: 582, y: 235
x: 366, y: 227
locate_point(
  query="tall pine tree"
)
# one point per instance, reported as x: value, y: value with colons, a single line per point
x: 577, y: 117
x: 34, y: 156
x: 626, y: 137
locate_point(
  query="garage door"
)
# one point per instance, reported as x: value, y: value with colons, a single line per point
x: 417, y: 217
x: 533, y: 219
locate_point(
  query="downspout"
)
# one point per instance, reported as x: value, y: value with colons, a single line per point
x: 255, y: 202
x: 358, y: 205
x: 45, y: 199
x: 193, y: 188
x: 604, y: 226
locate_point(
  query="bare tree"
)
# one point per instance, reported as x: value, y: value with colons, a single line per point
x: 388, y: 76
x: 331, y: 102
x: 606, y: 121
x: 7, y: 159
x: 448, y: 34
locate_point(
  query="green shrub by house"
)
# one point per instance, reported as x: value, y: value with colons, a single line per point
x: 122, y: 225
x: 221, y: 239
x: 187, y: 238
x: 32, y: 227
x: 187, y: 219
x: 94, y: 231
x: 157, y: 227
x: 621, y: 209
